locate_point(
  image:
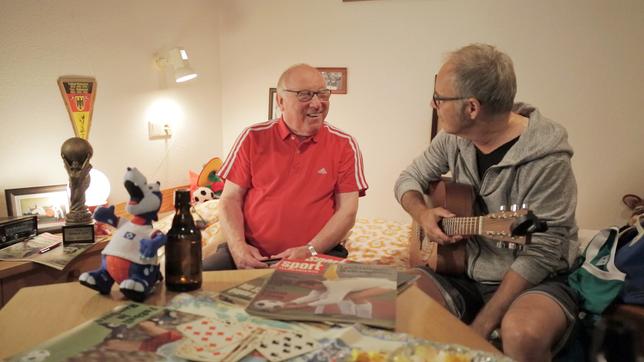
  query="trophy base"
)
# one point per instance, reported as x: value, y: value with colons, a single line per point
x: 79, y: 233
x: 78, y: 217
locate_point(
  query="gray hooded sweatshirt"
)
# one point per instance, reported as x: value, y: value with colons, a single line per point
x: 535, y: 171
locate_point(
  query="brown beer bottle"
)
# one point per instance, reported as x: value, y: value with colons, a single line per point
x: 183, y: 248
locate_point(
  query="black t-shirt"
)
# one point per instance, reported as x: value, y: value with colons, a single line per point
x: 485, y: 161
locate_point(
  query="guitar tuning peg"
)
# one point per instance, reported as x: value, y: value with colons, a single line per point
x: 514, y: 207
x: 512, y: 246
x: 500, y: 245
x: 524, y: 206
x: 502, y: 208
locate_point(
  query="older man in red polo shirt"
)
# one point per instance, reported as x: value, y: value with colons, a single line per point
x: 292, y: 184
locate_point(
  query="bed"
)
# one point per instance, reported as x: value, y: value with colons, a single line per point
x: 372, y: 240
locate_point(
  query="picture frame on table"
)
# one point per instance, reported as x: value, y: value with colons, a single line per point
x: 49, y: 203
x: 273, y: 109
x: 335, y: 78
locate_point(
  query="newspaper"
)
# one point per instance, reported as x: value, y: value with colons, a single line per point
x: 45, y: 249
x: 243, y: 293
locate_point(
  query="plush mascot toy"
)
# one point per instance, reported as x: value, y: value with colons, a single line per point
x: 130, y: 258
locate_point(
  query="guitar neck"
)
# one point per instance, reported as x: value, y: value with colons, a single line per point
x: 507, y: 226
x: 462, y: 225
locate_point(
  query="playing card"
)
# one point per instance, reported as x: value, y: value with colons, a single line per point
x: 195, y: 351
x: 246, y: 346
x: 281, y: 346
x: 213, y: 333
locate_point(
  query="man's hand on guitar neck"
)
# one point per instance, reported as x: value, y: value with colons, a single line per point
x: 427, y: 217
x: 430, y: 218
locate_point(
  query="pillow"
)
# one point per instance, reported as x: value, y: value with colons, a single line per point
x: 379, y: 241
x: 211, y: 236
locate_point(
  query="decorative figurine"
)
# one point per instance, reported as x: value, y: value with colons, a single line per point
x: 130, y: 258
x: 206, y: 185
x: 76, y: 153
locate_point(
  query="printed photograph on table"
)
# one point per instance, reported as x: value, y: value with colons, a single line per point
x: 336, y: 79
x: 49, y: 203
x: 133, y: 332
x: 273, y: 109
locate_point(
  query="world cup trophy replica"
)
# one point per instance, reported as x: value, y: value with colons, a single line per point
x: 79, y: 225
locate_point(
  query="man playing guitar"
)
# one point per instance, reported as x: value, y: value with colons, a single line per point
x: 509, y: 154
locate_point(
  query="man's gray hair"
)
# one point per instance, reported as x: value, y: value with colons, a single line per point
x: 485, y: 73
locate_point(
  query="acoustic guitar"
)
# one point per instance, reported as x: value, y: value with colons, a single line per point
x: 510, y: 228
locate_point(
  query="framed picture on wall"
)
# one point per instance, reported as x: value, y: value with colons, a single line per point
x: 336, y: 79
x: 49, y: 203
x: 273, y: 109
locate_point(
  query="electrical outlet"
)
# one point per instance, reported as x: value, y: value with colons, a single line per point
x: 158, y: 131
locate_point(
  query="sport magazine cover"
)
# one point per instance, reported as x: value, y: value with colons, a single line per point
x: 322, y: 291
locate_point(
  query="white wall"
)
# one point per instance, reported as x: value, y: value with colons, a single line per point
x: 579, y: 61
x: 115, y: 42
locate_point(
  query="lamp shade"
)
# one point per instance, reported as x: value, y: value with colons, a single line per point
x: 184, y: 74
x: 178, y: 59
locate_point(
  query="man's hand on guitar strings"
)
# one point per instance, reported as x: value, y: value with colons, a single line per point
x: 430, y: 219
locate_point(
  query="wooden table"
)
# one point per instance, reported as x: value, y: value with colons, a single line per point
x: 36, y: 314
x: 18, y: 274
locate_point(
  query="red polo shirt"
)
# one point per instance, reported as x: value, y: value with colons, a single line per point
x: 291, y: 183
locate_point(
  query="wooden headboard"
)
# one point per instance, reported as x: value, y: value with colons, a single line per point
x: 166, y: 205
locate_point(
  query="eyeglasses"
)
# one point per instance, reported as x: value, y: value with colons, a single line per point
x: 436, y: 99
x: 307, y: 95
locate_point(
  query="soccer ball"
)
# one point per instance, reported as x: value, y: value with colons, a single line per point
x: 268, y: 305
x: 202, y: 194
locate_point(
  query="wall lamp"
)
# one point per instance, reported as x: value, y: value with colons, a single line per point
x: 178, y: 59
